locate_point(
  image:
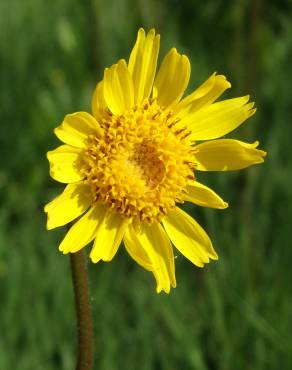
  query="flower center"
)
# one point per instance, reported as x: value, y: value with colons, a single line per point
x: 141, y: 165
x: 145, y: 158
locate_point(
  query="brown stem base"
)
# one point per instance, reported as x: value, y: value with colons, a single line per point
x: 83, y: 311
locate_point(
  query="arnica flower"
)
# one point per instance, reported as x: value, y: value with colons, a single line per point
x: 137, y: 156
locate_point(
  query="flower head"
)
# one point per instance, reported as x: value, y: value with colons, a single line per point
x: 130, y: 162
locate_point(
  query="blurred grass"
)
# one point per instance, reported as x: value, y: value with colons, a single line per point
x: 234, y: 314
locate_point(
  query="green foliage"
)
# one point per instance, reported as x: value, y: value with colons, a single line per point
x: 234, y: 314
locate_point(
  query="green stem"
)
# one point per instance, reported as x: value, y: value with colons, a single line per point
x: 83, y: 311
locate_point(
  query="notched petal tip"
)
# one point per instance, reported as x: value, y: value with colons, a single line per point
x: 167, y: 291
x: 262, y: 154
x: 48, y: 154
x: 215, y: 257
x: 224, y: 205
x: 185, y: 59
x: 93, y: 259
x: 228, y: 84
x: 122, y: 62
x: 159, y: 290
x: 46, y: 207
x: 151, y: 32
x: 255, y: 145
x: 250, y: 105
x: 222, y: 80
x: 48, y: 225
x: 62, y: 250
x: 252, y: 112
x: 141, y: 30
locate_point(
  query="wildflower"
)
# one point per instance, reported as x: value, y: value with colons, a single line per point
x: 130, y: 162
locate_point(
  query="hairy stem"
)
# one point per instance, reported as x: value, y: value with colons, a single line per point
x: 83, y: 311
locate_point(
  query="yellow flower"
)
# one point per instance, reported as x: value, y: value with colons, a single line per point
x: 136, y: 156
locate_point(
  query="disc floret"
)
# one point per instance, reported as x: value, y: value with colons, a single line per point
x: 141, y: 164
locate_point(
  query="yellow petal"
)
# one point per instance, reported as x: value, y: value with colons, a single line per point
x: 160, y: 252
x: 74, y: 201
x: 98, y: 103
x: 189, y: 237
x: 172, y: 78
x: 201, y: 195
x: 76, y: 127
x: 135, y: 249
x: 118, y: 88
x: 142, y: 63
x: 83, y: 231
x: 226, y: 155
x: 151, y: 248
x: 64, y: 164
x: 218, y: 119
x: 203, y: 96
x: 109, y: 235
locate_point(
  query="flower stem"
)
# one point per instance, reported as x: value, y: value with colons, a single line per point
x: 83, y: 311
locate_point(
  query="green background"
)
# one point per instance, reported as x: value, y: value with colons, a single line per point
x: 235, y: 313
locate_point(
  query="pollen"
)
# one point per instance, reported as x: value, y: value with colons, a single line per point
x: 141, y: 164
